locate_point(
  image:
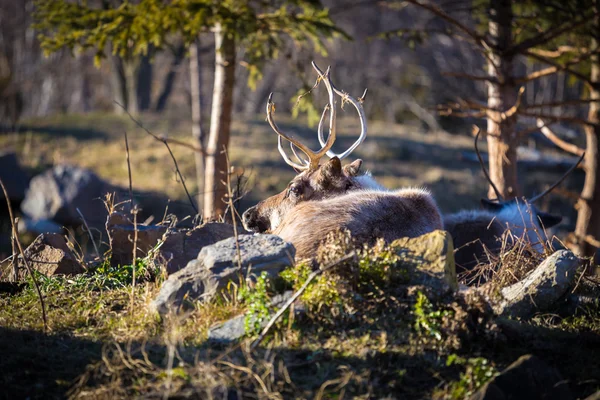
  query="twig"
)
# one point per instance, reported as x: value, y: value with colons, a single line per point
x: 164, y: 141
x: 299, y: 292
x: 230, y: 201
x: 128, y: 168
x: 566, y: 146
x: 25, y: 261
x: 87, y: 228
x: 134, y: 211
x: 15, y: 261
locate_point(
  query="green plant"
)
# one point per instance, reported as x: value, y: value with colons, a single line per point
x: 477, y: 373
x: 324, y: 291
x: 258, y: 301
x: 380, y: 265
x: 427, y: 319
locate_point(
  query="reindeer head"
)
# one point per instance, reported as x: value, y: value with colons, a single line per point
x: 521, y: 215
x: 315, y: 181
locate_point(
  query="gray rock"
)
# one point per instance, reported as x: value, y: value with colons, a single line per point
x: 430, y: 259
x: 218, y: 264
x: 528, y: 378
x: 182, y: 246
x: 13, y: 176
x: 235, y: 328
x: 58, y: 193
x: 541, y: 288
x: 50, y: 255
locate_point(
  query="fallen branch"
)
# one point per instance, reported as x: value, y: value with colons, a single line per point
x: 295, y: 296
x: 568, y: 147
x: 25, y: 261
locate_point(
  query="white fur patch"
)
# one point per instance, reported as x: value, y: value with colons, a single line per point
x: 367, y: 182
x: 523, y: 222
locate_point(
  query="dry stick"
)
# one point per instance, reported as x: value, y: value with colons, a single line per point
x: 87, y: 228
x: 133, y: 263
x: 566, y: 146
x: 25, y: 261
x: 166, y: 143
x: 15, y: 260
x: 288, y: 303
x: 230, y: 201
x: 128, y: 168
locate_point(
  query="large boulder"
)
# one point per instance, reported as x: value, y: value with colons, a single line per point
x: 15, y: 179
x: 541, y: 288
x: 528, y: 378
x: 57, y: 194
x: 430, y: 260
x: 121, y: 235
x: 181, y: 246
x: 220, y: 263
x: 50, y: 255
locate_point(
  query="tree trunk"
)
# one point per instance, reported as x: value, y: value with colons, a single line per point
x: 588, y: 206
x: 220, y: 121
x: 178, y: 56
x: 197, y: 132
x: 119, y: 83
x: 143, y: 82
x: 131, y: 68
x: 502, y: 95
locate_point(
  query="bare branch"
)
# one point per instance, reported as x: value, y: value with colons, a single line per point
x: 297, y: 294
x: 561, y: 50
x: 558, y: 182
x: 165, y: 142
x: 556, y: 118
x: 480, y: 40
x: 25, y: 260
x: 546, y: 36
x: 560, y: 67
x: 486, y: 78
x: 568, y: 147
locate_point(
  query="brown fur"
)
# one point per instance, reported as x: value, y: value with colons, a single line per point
x: 367, y: 214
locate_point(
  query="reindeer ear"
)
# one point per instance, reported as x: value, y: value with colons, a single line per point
x: 332, y: 168
x: 548, y: 220
x: 353, y: 168
x: 491, y: 205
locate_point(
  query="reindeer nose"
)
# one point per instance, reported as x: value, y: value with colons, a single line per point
x: 249, y: 218
x: 253, y: 221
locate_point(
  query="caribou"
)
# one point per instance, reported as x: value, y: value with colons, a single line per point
x: 477, y: 232
x: 327, y: 197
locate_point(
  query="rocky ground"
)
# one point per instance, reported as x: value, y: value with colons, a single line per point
x: 200, y: 312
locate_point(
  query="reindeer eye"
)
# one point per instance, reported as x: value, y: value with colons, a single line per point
x: 348, y: 185
x: 296, y: 190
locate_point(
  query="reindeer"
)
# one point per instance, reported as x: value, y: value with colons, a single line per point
x: 325, y: 198
x: 476, y: 231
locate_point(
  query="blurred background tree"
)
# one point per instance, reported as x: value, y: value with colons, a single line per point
x: 133, y: 30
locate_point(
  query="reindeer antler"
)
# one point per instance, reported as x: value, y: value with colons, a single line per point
x: 313, y: 157
x: 357, y: 103
x: 477, y: 132
x: 562, y: 178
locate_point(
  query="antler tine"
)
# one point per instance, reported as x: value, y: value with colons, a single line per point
x: 313, y: 157
x: 485, y: 172
x: 309, y: 153
x: 562, y: 178
x: 357, y: 103
x: 320, y: 127
x: 332, y: 115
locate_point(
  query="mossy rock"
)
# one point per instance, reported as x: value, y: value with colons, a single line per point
x: 430, y: 260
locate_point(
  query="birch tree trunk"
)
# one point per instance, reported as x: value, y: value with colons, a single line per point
x: 588, y: 205
x: 197, y: 132
x: 220, y: 121
x: 502, y: 95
